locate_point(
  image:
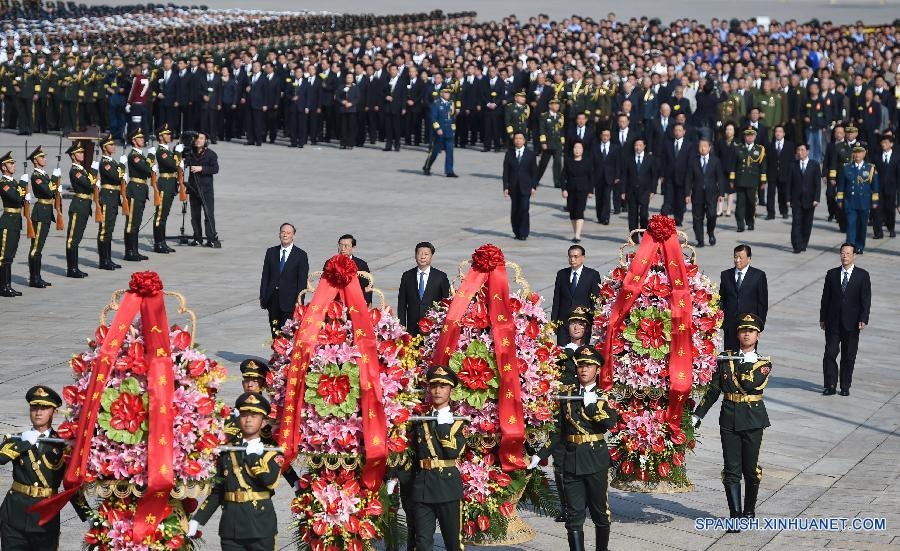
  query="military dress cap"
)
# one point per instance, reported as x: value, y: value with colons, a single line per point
x: 76, y: 147
x: 587, y: 355
x: 554, y: 100
x: 859, y: 148
x: 579, y: 313
x: 750, y: 131
x: 135, y: 134
x: 750, y: 321
x: 520, y: 94
x: 164, y: 129
x: 441, y: 374
x: 254, y: 369
x: 8, y: 158
x: 253, y: 402
x: 851, y: 129
x: 107, y: 139
x: 38, y: 152
x: 41, y: 395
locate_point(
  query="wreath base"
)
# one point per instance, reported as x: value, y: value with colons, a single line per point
x: 661, y: 487
x: 517, y: 530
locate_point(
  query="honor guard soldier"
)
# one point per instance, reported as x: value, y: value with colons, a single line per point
x: 245, y: 484
x: 857, y: 195
x: 516, y: 116
x: 437, y: 487
x: 166, y: 160
x: 24, y: 82
x: 137, y: 192
x: 14, y: 195
x: 550, y: 128
x: 111, y: 173
x: 443, y: 116
x: 741, y: 376
x: 253, y: 379
x: 83, y: 183
x: 749, y: 174
x: 44, y: 188
x: 37, y: 471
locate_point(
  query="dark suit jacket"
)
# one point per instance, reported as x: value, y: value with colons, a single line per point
x: 259, y: 95
x: 753, y: 297
x: 410, y: 308
x: 627, y: 147
x: 656, y: 136
x: 847, y: 308
x: 520, y: 176
x: 588, y: 139
x: 780, y: 166
x: 289, y: 282
x: 564, y: 300
x: 398, y: 97
x: 807, y: 187
x: 198, y: 84
x: 182, y: 88
x: 273, y: 90
x: 606, y: 167
x: 639, y: 183
x: 888, y: 174
x: 705, y: 187
x: 676, y: 165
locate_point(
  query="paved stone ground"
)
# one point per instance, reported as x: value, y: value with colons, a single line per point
x: 822, y: 456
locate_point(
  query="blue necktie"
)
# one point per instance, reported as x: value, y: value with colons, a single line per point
x: 574, y: 282
x: 283, y: 261
x: 421, y: 285
x: 704, y: 165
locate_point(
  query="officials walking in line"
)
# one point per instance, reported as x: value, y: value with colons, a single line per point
x: 743, y: 290
x: 703, y: 185
x: 520, y: 184
x: 284, y: 274
x: 804, y: 192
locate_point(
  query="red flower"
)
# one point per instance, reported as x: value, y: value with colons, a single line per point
x: 651, y: 332
x: 182, y: 340
x: 532, y: 330
x: 281, y: 345
x: 515, y: 305
x: 469, y: 528
x: 475, y: 373
x: 477, y: 317
x: 332, y: 333
x: 655, y: 287
x: 205, y: 405
x: 352, y: 524
x: 615, y: 454
x: 127, y: 412
x: 207, y: 442
x: 334, y: 389
x: 66, y: 429
x: 192, y: 467
x: 542, y: 354
x: 176, y: 542
x: 375, y: 316
x: 366, y: 530
x: 678, y: 438
x: 664, y: 469
x: 396, y: 444
x: 145, y: 284
x: 503, y: 480
x: 618, y: 344
x: 661, y: 227
x: 197, y: 367
x: 374, y: 508
x: 706, y: 323
x: 486, y: 258
x: 354, y: 545
x: 335, y: 310
x: 100, y: 333
x: 607, y: 291
x: 189, y: 505
x: 340, y: 270
x: 627, y: 467
x: 483, y: 522
x: 78, y: 364
x: 426, y: 325
x: 72, y: 395
x: 618, y: 273
x: 506, y: 508
x: 677, y: 459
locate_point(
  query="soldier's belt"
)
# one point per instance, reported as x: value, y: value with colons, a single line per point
x: 168, y: 174
x: 244, y: 496
x: 83, y: 196
x: 13, y: 211
x: 138, y: 181
x: 110, y: 187
x: 428, y: 464
x: 585, y: 438
x: 742, y: 398
x: 45, y: 201
x: 32, y: 491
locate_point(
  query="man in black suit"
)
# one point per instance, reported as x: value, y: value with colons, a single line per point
x: 677, y: 154
x: 659, y: 130
x: 887, y: 166
x: 744, y: 290
x: 183, y: 96
x: 703, y: 184
x: 624, y: 135
x: 313, y: 86
x: 257, y: 97
x: 284, y: 275
x: 805, y: 189
x: 415, y: 105
x: 781, y: 161
x: 581, y: 132
x: 420, y: 287
x: 328, y: 116
x: 492, y: 95
x: 639, y: 176
x: 520, y: 184
x: 846, y: 299
x: 606, y: 176
x: 576, y: 285
x: 346, y: 246
x: 394, y: 108
x: 273, y: 100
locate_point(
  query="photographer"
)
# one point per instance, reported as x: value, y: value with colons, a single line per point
x: 201, y: 164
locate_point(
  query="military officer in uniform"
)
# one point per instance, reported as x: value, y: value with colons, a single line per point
x: 857, y: 194
x: 550, y: 129
x: 443, y: 117
x: 741, y: 376
x: 245, y: 484
x: 111, y: 173
x: 24, y: 83
x: 437, y: 487
x: 166, y: 161
x: 516, y: 116
x: 137, y: 192
x: 44, y: 188
x: 37, y: 471
x: 13, y: 195
x: 749, y: 174
x: 83, y: 181
x: 253, y: 379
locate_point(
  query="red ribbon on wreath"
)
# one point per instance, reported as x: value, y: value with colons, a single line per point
x: 144, y: 295
x: 660, y: 238
x: 339, y: 278
x: 489, y: 266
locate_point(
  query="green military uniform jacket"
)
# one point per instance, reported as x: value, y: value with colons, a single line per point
x: 111, y: 172
x: 25, y: 81
x: 434, y: 442
x: 842, y: 153
x: 551, y: 130
x: 67, y: 83
x: 738, y: 379
x: 43, y: 80
x: 239, y: 479
x: 770, y: 107
x: 82, y: 181
x: 43, y: 188
x: 730, y: 110
x: 579, y: 421
x: 602, y: 101
x: 167, y: 160
x: 12, y: 193
x: 749, y: 166
x: 516, y: 117
x: 578, y: 98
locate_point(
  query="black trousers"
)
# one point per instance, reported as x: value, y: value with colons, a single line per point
x: 230, y: 126
x: 782, y: 189
x: 248, y: 544
x: 361, y: 127
x: 13, y: 539
x: 638, y: 212
x: 602, y: 191
x: 745, y: 207
x: 392, y: 130
x: 412, y: 126
x: 447, y: 515
x: 462, y: 128
x: 348, y: 129
x: 256, y: 126
x: 25, y: 110
x: 493, y: 120
x: 520, y: 203
x: 740, y: 450
x: 678, y: 204
x: 801, y: 226
x: 546, y: 156
x: 297, y: 124
x: 312, y: 126
x: 203, y: 203
x: 844, y: 342
x: 704, y: 207
x: 271, y: 124
x: 372, y: 123
x: 885, y: 214
x: 587, y: 493
x: 277, y: 316
x: 209, y: 122
x: 329, y: 122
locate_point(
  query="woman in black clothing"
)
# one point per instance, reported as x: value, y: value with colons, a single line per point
x: 726, y: 154
x: 577, y: 186
x: 348, y: 98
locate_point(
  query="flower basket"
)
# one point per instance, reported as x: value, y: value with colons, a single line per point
x: 656, y: 319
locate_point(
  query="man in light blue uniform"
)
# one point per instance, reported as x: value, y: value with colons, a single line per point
x: 443, y: 116
x: 857, y: 194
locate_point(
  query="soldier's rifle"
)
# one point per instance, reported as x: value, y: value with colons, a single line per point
x: 758, y: 358
x: 123, y: 187
x: 154, y: 179
x: 244, y: 448
x: 98, y: 214
x: 27, y: 207
x: 424, y: 418
x: 41, y: 439
x: 59, y: 218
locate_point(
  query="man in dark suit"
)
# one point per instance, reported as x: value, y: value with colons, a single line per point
x: 273, y: 101
x: 624, y: 135
x: 415, y: 105
x: 394, y: 107
x: 606, y: 176
x: 492, y: 109
x: 284, y: 275
x: 420, y: 287
x: 659, y: 130
x: 346, y: 246
x: 183, y: 96
x: 677, y: 154
x: 313, y: 85
x: 703, y: 185
x: 257, y: 97
x: 520, y: 183
x: 805, y: 189
x: 846, y: 299
x: 744, y: 290
x: 211, y: 102
x: 887, y: 165
x: 167, y: 84
x: 574, y: 286
x: 639, y: 176
x: 328, y: 84
x: 781, y: 161
x: 581, y: 132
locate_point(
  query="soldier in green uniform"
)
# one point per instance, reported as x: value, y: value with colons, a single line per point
x: 67, y: 90
x: 729, y: 110
x: 604, y: 90
x: 748, y: 175
x: 437, y: 487
x: 516, y: 116
x: 165, y: 160
x: 253, y: 379
x: 111, y: 173
x: 552, y: 140
x: 137, y: 192
x: 13, y: 195
x: 578, y: 94
x: 85, y: 86
x: 83, y: 181
x: 44, y: 187
x: 771, y: 107
x: 24, y: 86
x: 742, y: 417
x: 37, y: 472
x: 43, y: 77
x: 245, y: 483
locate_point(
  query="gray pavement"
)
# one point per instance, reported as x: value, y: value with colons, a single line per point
x: 821, y: 457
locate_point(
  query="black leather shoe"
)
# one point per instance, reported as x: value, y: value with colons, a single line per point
x: 158, y: 248
x: 216, y: 244
x: 426, y: 172
x: 770, y: 217
x: 712, y: 240
x: 829, y: 391
x: 699, y: 245
x: 452, y: 175
x: 195, y: 243
x: 844, y: 392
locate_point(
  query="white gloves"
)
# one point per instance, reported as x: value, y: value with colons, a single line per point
x: 590, y: 397
x: 255, y: 448
x: 193, y: 526
x: 128, y: 108
x: 695, y: 420
x: 30, y: 436
x: 534, y: 462
x: 95, y: 165
x: 57, y: 172
x: 23, y: 178
x: 750, y: 357
x: 155, y: 168
x: 28, y: 197
x: 123, y: 159
x: 445, y: 417
x: 179, y: 148
x: 391, y: 484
